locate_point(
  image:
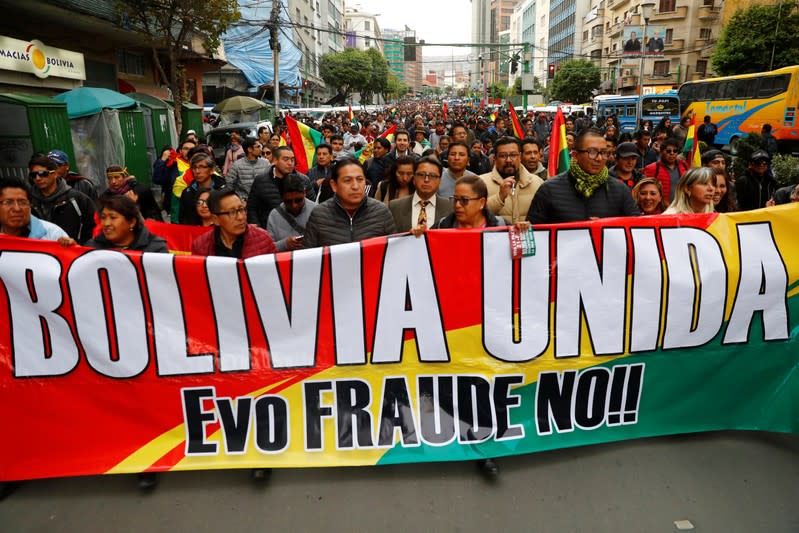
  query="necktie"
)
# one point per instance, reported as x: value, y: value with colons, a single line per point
x: 422, y: 213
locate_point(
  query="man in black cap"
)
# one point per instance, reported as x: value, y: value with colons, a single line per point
x: 714, y: 159
x: 756, y: 185
x: 624, y: 170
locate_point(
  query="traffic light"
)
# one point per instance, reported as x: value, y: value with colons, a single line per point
x: 409, y: 49
x: 551, y: 71
x: 514, y: 64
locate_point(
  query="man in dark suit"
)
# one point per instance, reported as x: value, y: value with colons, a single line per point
x: 424, y: 207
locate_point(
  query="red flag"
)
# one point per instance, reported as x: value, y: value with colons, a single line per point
x: 518, y: 131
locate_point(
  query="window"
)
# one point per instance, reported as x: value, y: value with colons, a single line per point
x: 130, y: 63
x: 708, y: 3
x: 596, y: 55
x: 668, y: 5
x: 701, y: 66
x: 367, y: 42
x: 669, y: 36
x: 367, y: 25
x: 704, y: 33
x: 773, y: 85
x: 585, y: 35
x: 661, y: 68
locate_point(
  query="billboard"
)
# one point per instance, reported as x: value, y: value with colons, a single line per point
x: 634, y: 42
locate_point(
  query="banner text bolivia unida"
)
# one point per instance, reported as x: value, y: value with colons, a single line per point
x: 637, y: 275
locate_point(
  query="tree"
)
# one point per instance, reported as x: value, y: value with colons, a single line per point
x: 575, y: 81
x: 170, y: 27
x: 379, y: 76
x: 747, y: 41
x: 395, y: 88
x: 349, y: 70
x: 497, y: 90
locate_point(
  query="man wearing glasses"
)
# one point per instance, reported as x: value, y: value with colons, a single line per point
x: 756, y: 185
x: 55, y: 201
x: 232, y: 236
x: 287, y: 221
x: 584, y: 191
x: 202, y: 168
x: 16, y: 218
x: 424, y: 207
x: 242, y: 173
x: 668, y: 169
x: 511, y: 187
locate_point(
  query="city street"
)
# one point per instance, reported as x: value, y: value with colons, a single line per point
x: 719, y: 482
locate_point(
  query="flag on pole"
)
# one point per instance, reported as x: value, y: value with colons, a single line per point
x: 283, y: 141
x: 304, y: 141
x: 692, y: 145
x: 493, y: 117
x: 559, y: 160
x: 366, y: 152
x: 351, y: 115
x: 518, y: 131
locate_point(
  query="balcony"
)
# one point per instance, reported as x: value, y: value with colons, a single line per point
x: 680, y: 13
x: 709, y: 12
x: 628, y: 81
x: 616, y: 3
x: 676, y: 45
x: 616, y: 29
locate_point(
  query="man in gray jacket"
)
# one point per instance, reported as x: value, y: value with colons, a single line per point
x: 288, y: 220
x: 349, y: 216
x: 242, y: 173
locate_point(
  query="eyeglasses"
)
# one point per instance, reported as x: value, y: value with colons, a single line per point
x: 293, y: 201
x: 593, y: 153
x: 507, y: 156
x: 40, y: 173
x: 22, y: 204
x: 760, y: 163
x: 266, y: 152
x: 203, y: 203
x: 233, y: 213
x: 427, y: 176
x: 463, y: 200
x: 671, y: 151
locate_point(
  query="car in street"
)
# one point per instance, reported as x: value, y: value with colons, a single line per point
x: 219, y: 138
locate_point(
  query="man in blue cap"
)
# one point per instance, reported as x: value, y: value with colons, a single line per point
x: 73, y: 179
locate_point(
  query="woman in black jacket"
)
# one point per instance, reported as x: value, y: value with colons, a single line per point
x: 123, y: 227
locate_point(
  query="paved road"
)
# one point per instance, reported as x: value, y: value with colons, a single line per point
x: 722, y: 482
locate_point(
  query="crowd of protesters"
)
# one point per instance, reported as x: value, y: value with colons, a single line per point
x: 456, y: 167
x: 364, y: 183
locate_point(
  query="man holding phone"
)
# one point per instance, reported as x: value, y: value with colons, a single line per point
x: 287, y: 222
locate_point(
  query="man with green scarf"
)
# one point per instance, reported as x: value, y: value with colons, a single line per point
x: 584, y: 192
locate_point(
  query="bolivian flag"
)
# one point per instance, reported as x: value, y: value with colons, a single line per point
x: 692, y: 145
x: 518, y: 131
x: 304, y: 141
x: 559, y: 160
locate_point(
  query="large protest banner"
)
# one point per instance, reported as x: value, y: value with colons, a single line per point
x: 397, y: 350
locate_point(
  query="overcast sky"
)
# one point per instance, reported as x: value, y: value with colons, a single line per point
x: 434, y: 21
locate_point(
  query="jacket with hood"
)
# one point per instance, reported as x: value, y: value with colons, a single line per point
x: 67, y: 208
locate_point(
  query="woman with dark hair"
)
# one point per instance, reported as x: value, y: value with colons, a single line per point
x: 120, y: 183
x: 201, y: 206
x: 399, y: 182
x: 123, y: 227
x: 469, y: 207
x: 610, y: 122
x: 724, y: 197
x: 664, y: 126
x: 203, y: 169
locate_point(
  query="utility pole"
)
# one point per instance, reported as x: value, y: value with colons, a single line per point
x: 526, y: 71
x: 274, y: 45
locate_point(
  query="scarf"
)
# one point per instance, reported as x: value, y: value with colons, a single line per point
x: 587, y: 183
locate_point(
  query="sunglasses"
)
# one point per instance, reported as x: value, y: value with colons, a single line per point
x: 294, y: 201
x: 40, y: 173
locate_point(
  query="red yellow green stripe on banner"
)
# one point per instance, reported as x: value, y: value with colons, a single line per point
x: 518, y: 131
x: 634, y: 327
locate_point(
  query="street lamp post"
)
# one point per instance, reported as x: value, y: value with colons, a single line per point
x: 646, y: 13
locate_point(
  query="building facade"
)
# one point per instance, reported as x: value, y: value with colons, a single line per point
x: 688, y: 30
x: 565, y: 24
x: 362, y: 30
